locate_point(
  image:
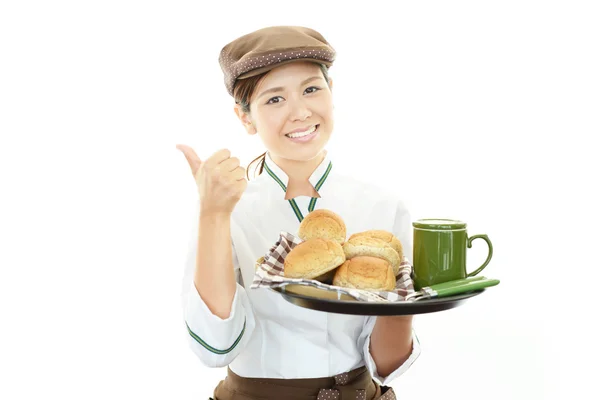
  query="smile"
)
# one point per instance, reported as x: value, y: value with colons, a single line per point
x: 303, y: 135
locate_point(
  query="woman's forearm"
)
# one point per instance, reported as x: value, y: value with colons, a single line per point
x: 391, y: 343
x: 214, y: 277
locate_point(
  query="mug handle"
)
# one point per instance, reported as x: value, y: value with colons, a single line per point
x: 491, y: 251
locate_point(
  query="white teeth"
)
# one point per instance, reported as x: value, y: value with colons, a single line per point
x: 301, y: 134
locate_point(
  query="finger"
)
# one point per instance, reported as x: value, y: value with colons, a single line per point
x: 230, y: 164
x: 239, y: 173
x: 191, y: 157
x: 217, y: 158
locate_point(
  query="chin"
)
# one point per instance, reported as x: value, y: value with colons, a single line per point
x: 307, y: 154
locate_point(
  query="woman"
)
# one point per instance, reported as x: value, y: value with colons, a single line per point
x: 279, y: 79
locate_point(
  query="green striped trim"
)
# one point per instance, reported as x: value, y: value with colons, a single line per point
x: 311, y: 205
x: 266, y: 167
x: 293, y: 204
x: 313, y: 201
x: 296, y: 209
x: 212, y: 349
x: 291, y: 201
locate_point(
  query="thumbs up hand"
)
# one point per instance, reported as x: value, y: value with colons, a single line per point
x: 220, y: 179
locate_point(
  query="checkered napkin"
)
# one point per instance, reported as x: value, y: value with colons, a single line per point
x: 270, y: 274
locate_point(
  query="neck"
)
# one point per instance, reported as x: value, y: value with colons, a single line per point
x: 299, y: 171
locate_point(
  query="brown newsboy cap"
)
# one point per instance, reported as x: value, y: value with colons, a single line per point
x: 267, y: 48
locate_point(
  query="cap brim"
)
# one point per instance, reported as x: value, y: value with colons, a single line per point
x: 267, y: 68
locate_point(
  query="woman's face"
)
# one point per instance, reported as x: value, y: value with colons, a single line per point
x: 293, y: 97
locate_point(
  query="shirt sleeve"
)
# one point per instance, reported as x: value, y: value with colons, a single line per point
x: 365, y: 342
x: 215, y: 341
x: 402, y: 229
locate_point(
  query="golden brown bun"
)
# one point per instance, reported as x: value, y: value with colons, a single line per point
x: 323, y: 224
x: 365, y: 272
x: 386, y: 236
x: 313, y: 258
x: 374, y: 247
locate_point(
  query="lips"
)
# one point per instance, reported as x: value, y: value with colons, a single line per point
x: 301, y: 129
x: 306, y: 138
x: 297, y: 132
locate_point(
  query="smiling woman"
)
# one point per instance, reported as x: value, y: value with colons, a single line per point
x: 278, y: 77
x: 244, y: 88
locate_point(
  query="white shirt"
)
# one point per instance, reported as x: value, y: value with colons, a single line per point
x: 265, y: 335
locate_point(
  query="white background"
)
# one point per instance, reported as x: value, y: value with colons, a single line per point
x: 476, y: 110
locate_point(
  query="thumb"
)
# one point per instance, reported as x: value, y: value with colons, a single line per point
x: 191, y: 157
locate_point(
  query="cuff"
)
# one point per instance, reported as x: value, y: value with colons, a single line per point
x: 216, y: 335
x: 385, y: 381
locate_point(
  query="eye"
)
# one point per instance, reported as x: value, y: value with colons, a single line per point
x: 316, y: 89
x: 313, y: 87
x: 272, y: 98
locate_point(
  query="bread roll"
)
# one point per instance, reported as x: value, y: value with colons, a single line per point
x: 386, y: 236
x: 312, y: 258
x: 370, y: 246
x: 365, y: 272
x: 323, y: 224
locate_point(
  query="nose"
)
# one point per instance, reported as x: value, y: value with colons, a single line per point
x: 299, y: 109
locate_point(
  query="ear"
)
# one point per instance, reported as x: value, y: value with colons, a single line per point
x: 330, y: 83
x: 245, y: 119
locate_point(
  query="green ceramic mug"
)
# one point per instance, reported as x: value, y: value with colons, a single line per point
x: 440, y: 251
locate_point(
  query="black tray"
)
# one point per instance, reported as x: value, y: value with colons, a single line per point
x: 349, y: 305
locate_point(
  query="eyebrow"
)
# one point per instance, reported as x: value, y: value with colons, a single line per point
x: 279, y: 88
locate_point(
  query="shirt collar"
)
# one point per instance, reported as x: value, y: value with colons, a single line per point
x: 276, y: 175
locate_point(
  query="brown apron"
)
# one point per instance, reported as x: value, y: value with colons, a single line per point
x: 354, y: 385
